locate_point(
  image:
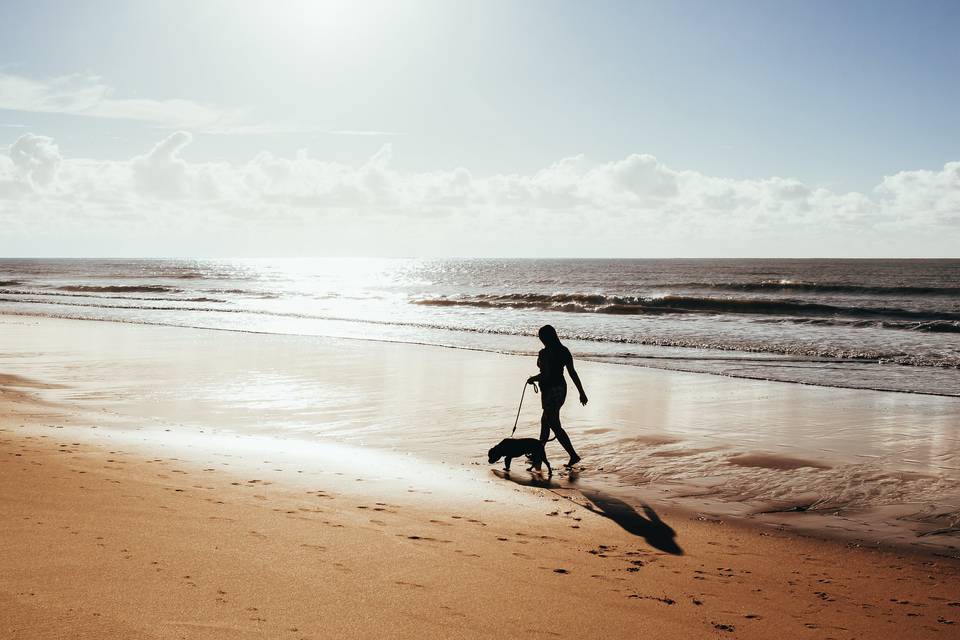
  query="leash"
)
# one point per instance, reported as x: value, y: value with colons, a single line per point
x: 517, y: 420
x: 535, y: 390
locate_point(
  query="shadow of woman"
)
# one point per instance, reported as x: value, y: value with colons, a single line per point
x: 648, y: 525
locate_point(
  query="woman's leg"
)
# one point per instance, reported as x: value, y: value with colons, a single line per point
x: 548, y: 420
x: 564, y: 441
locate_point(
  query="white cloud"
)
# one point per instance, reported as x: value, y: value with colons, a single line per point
x: 261, y: 129
x: 87, y: 95
x: 362, y: 132
x: 933, y: 196
x: 37, y: 158
x: 633, y: 206
x: 162, y: 172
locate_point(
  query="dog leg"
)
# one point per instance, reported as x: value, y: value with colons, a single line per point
x: 506, y: 463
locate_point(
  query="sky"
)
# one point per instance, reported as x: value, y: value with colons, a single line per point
x: 515, y: 128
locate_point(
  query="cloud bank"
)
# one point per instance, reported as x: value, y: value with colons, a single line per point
x: 160, y: 203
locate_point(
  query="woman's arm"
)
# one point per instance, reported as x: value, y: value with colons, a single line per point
x: 576, y: 381
x: 536, y: 378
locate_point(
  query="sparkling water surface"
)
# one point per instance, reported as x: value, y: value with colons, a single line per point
x: 878, y: 324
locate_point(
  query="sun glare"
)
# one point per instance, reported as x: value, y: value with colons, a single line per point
x: 321, y: 26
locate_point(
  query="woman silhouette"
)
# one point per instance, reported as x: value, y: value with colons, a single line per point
x: 551, y: 360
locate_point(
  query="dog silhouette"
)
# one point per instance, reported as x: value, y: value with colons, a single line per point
x: 510, y: 448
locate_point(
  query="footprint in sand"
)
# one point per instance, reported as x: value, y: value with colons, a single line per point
x: 409, y: 584
x: 662, y: 599
x: 420, y: 538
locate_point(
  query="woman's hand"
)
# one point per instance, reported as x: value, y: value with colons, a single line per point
x: 583, y: 398
x: 531, y: 379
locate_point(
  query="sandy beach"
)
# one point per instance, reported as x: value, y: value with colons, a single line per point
x: 296, y: 298
x: 176, y: 483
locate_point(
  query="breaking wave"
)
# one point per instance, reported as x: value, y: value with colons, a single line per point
x: 816, y: 287
x: 598, y: 303
x: 802, y: 351
x: 119, y: 288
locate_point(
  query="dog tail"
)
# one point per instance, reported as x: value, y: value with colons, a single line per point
x: 550, y: 439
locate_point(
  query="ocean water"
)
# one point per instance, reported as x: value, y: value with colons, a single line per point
x: 876, y: 324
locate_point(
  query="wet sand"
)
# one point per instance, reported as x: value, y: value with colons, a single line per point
x: 871, y: 467
x: 128, y: 512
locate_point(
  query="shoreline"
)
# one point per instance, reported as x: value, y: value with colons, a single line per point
x: 136, y: 532
x: 724, y: 447
x: 588, y: 358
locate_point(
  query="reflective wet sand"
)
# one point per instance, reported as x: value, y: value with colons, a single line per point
x: 870, y: 465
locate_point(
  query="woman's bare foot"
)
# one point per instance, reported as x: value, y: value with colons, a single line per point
x: 574, y: 459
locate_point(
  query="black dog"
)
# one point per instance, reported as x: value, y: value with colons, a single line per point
x: 510, y: 448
